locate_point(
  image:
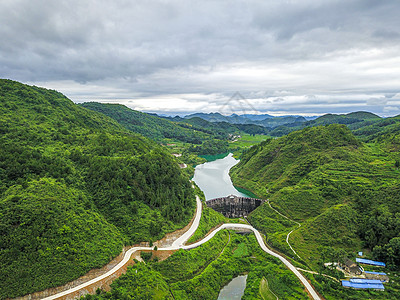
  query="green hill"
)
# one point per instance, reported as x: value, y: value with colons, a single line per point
x: 383, y: 131
x: 323, y: 176
x: 223, y: 129
x: 75, y: 186
x: 150, y: 126
x: 353, y: 120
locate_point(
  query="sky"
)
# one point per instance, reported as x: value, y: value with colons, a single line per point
x: 302, y: 57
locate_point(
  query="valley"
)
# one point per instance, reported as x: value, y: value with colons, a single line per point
x: 80, y: 182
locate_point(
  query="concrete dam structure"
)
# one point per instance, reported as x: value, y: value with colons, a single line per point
x: 233, y: 206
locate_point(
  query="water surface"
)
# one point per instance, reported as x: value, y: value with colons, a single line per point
x: 234, y: 290
x: 213, y: 178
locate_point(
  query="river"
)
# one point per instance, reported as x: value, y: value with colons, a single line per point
x: 213, y: 178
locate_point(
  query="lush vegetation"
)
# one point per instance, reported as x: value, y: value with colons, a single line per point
x: 148, y: 125
x: 209, y: 220
x: 354, y: 120
x: 332, y: 290
x: 47, y: 227
x: 201, y: 273
x: 75, y: 186
x: 189, y: 137
x: 343, y: 191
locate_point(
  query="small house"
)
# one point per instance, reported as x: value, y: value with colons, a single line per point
x: 351, y: 267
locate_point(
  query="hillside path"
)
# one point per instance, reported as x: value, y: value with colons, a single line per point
x: 287, y: 237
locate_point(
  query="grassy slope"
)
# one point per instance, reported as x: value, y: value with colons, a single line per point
x: 81, y: 169
x: 316, y: 176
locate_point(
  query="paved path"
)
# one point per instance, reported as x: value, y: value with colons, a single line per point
x: 260, y: 241
x: 185, y: 237
x: 179, y: 244
x: 176, y: 245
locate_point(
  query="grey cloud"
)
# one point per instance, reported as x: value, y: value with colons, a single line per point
x: 145, y: 49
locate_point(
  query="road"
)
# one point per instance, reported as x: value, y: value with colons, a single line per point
x: 185, y: 237
x: 260, y: 241
x: 176, y: 245
x: 179, y: 244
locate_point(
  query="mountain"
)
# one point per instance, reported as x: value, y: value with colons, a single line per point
x: 352, y: 120
x: 211, y: 117
x: 279, y: 121
x: 255, y: 117
x: 344, y: 192
x: 223, y: 128
x: 261, y: 120
x: 382, y: 130
x: 75, y: 186
x: 151, y: 126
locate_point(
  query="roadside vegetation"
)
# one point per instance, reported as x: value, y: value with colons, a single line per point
x: 201, y: 273
x: 78, y: 182
x: 75, y: 187
x: 344, y: 192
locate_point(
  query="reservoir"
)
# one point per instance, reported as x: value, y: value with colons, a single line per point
x: 234, y: 289
x: 213, y: 178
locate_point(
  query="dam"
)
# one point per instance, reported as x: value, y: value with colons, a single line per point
x: 233, y: 206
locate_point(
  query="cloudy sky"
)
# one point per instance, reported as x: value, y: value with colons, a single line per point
x: 284, y: 57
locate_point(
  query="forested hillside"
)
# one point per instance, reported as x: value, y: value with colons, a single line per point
x: 75, y: 186
x: 344, y: 192
x: 193, y: 138
x: 150, y: 126
x: 353, y: 121
x: 197, y: 136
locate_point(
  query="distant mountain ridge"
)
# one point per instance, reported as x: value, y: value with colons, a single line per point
x: 352, y: 120
x: 264, y: 120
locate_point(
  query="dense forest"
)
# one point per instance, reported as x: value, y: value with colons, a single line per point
x: 75, y: 186
x: 343, y: 191
x: 148, y: 125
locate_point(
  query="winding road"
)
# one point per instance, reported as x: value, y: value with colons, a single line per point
x: 179, y: 244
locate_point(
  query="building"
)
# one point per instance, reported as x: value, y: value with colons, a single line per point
x: 351, y: 267
x: 383, y: 277
x: 359, y: 283
x: 370, y: 262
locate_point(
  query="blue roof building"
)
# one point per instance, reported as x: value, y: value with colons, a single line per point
x: 375, y: 273
x: 377, y: 276
x: 362, y: 280
x: 370, y: 262
x: 356, y: 285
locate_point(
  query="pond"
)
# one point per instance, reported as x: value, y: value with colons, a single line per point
x: 234, y: 289
x: 213, y: 178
